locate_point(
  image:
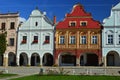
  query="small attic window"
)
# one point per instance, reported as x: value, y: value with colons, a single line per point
x: 72, y: 23
x: 83, y: 23
x: 36, y: 23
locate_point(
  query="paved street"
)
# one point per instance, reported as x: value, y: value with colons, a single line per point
x: 23, y: 71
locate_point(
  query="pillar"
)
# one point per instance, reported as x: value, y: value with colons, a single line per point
x: 105, y: 62
x: 29, y: 61
x: 5, y: 59
x: 78, y: 61
x: 41, y: 63
x: 17, y: 60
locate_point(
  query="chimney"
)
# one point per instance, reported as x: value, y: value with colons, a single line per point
x: 54, y: 20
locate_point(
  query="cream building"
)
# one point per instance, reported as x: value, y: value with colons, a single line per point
x: 9, y: 23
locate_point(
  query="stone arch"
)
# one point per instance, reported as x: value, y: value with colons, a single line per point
x: 89, y: 59
x: 67, y: 59
x: 11, y: 59
x: 112, y: 58
x: 35, y: 59
x: 23, y: 59
x: 47, y: 59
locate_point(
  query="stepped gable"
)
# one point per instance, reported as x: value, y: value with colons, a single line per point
x: 78, y: 14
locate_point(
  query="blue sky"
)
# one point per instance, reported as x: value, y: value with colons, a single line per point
x: 99, y: 9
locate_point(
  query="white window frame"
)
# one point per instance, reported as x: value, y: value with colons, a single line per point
x: 94, y: 39
x: 72, y: 39
x: 62, y: 40
x: 111, y: 42
x: 119, y: 39
x: 83, y: 39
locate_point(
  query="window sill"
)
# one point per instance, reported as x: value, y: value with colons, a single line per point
x: 11, y: 29
x: 61, y: 44
x: 23, y: 43
x: 72, y: 44
x: 109, y: 44
x: 10, y: 45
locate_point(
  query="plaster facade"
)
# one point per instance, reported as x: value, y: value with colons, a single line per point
x: 9, y: 23
x: 111, y: 38
x: 35, y: 40
x: 78, y: 39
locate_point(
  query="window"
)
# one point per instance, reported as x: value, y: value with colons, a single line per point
x: 83, y: 39
x: 11, y: 42
x: 47, y: 39
x: 36, y: 23
x: 35, y: 39
x: 24, y: 40
x: 72, y: 39
x: 118, y: 39
x: 3, y: 26
x: 72, y: 23
x: 94, y: 39
x: 12, y: 25
x: 83, y: 23
x: 62, y: 39
x: 110, y: 39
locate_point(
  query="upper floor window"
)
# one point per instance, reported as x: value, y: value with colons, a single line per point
x: 24, y: 40
x: 11, y: 42
x: 83, y: 39
x: 12, y: 25
x: 83, y: 23
x: 118, y: 39
x: 47, y: 39
x: 72, y: 39
x: 72, y: 23
x: 62, y: 39
x: 36, y: 23
x: 110, y: 39
x: 94, y: 39
x: 35, y: 39
x: 3, y: 26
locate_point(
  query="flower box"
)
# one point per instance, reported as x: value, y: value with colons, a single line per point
x: 23, y: 42
x: 35, y: 41
x: 46, y: 41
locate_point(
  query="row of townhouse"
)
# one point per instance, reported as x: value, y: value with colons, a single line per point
x: 78, y: 40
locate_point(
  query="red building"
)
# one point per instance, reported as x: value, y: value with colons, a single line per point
x: 78, y: 39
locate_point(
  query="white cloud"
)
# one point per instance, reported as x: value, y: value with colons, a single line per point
x: 22, y: 19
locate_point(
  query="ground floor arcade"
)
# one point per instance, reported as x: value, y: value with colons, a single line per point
x: 24, y: 59
x: 35, y: 59
x: 112, y: 58
x: 78, y: 57
x: 63, y: 58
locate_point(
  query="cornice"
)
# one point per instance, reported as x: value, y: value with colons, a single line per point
x: 79, y: 17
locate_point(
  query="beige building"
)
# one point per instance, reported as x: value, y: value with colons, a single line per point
x: 9, y: 23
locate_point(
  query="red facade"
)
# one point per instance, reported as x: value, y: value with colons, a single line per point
x: 76, y: 25
x: 78, y: 14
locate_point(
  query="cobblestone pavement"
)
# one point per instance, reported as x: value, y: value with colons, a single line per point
x: 24, y: 71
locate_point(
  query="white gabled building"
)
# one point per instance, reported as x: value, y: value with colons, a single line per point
x: 111, y: 38
x: 36, y: 41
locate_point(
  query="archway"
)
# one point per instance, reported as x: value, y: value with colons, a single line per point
x: 1, y: 60
x: 67, y: 59
x: 11, y: 59
x: 89, y: 59
x: 35, y: 59
x: 47, y: 59
x: 23, y: 59
x: 113, y: 59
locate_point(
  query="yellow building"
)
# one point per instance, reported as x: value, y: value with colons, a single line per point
x: 78, y: 39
